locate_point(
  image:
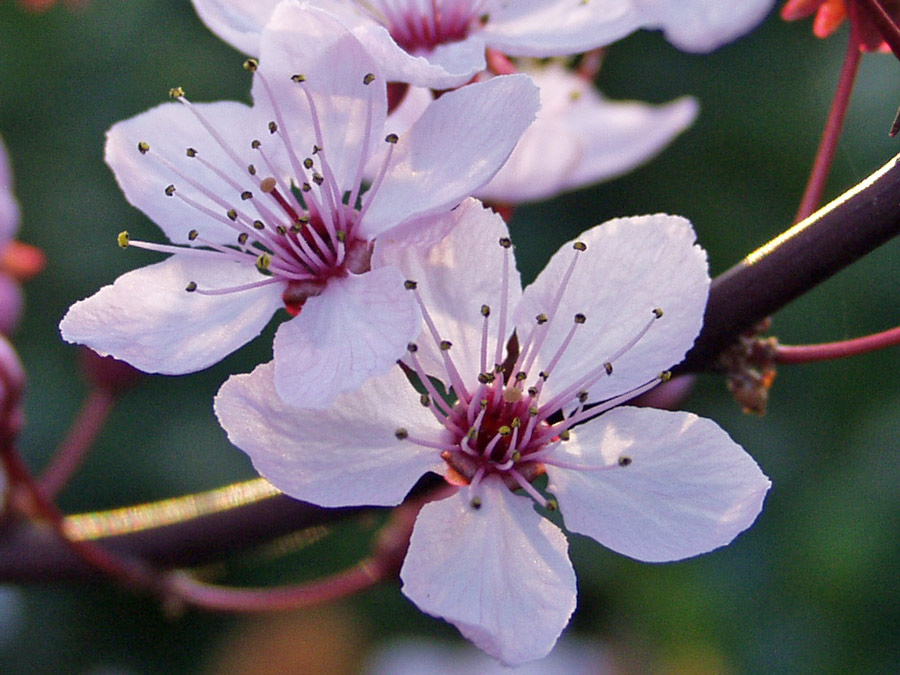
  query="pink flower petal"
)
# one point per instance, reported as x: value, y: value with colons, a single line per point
x: 500, y: 573
x: 9, y: 208
x: 237, y: 22
x: 347, y: 455
x: 455, y: 277
x: 356, y: 329
x: 455, y: 147
x: 149, y: 320
x: 677, y: 485
x: 631, y: 266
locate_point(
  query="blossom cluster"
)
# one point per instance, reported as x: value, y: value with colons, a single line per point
x: 346, y: 196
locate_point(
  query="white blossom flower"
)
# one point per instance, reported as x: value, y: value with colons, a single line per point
x: 579, y: 137
x: 441, y: 43
x: 536, y: 382
x: 265, y: 208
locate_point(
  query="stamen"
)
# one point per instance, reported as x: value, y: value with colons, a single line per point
x: 529, y: 489
x: 455, y: 379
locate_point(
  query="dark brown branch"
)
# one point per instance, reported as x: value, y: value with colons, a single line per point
x: 854, y: 224
x: 792, y: 264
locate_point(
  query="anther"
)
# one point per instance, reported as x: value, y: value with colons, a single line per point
x: 246, y: 194
x: 263, y: 262
x: 608, y: 367
x: 505, y: 242
x: 281, y: 229
x: 401, y: 434
x: 582, y: 397
x: 579, y: 246
x: 412, y: 347
x: 476, y: 503
x: 176, y: 92
x: 191, y: 287
x: 485, y: 378
x: 191, y: 152
x: 308, y: 163
x: 259, y: 225
x: 369, y: 78
x: 425, y: 400
x: 242, y: 238
x: 143, y: 147
x: 391, y: 138
x: 565, y: 435
x: 273, y: 127
x: 516, y: 423
x: 318, y: 178
x: 410, y: 285
x: 665, y: 376
x: 532, y: 391
x: 298, y: 78
x: 123, y: 239
x: 193, y: 234
x: 516, y: 456
x: 251, y: 169
x: 232, y: 214
x: 445, y: 345
x: 170, y: 190
x: 533, y: 411
x: 657, y: 312
x: 485, y: 310
x: 624, y: 460
x: 255, y: 144
x: 580, y: 318
x: 541, y: 319
x: 543, y: 375
x: 552, y: 505
x: 251, y: 65
x: 504, y: 430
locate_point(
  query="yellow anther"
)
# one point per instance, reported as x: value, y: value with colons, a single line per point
x: 176, y: 92
x: 123, y: 239
x: 263, y: 262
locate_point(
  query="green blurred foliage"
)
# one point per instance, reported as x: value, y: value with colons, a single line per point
x: 812, y: 587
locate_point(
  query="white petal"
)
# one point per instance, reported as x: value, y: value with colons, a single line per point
x: 704, y: 25
x: 559, y: 27
x: 456, y: 146
x: 9, y: 208
x: 237, y: 22
x: 170, y: 129
x: 356, y: 329
x: 580, y: 138
x: 148, y: 319
x: 687, y: 489
x: 303, y: 41
x: 544, y: 28
x: 500, y: 574
x: 455, y: 277
x: 347, y: 455
x: 630, y: 267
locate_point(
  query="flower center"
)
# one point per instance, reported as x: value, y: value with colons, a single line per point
x: 418, y: 26
x: 299, y: 231
x: 505, y: 424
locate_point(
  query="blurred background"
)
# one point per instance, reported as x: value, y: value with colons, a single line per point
x: 811, y: 588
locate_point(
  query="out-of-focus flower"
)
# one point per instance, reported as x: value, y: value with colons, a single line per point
x: 516, y: 385
x: 18, y: 262
x: 578, y: 139
x: 441, y: 43
x: 831, y: 13
x: 416, y: 656
x: 265, y: 208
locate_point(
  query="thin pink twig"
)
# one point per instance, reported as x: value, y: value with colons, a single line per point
x: 837, y: 350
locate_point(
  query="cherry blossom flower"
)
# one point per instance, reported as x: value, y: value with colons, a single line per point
x: 265, y: 208
x: 515, y: 385
x: 829, y: 14
x: 441, y: 43
x: 579, y: 138
x: 18, y: 261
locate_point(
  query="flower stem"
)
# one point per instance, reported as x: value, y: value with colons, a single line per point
x: 84, y: 431
x: 818, y: 177
x: 837, y: 350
